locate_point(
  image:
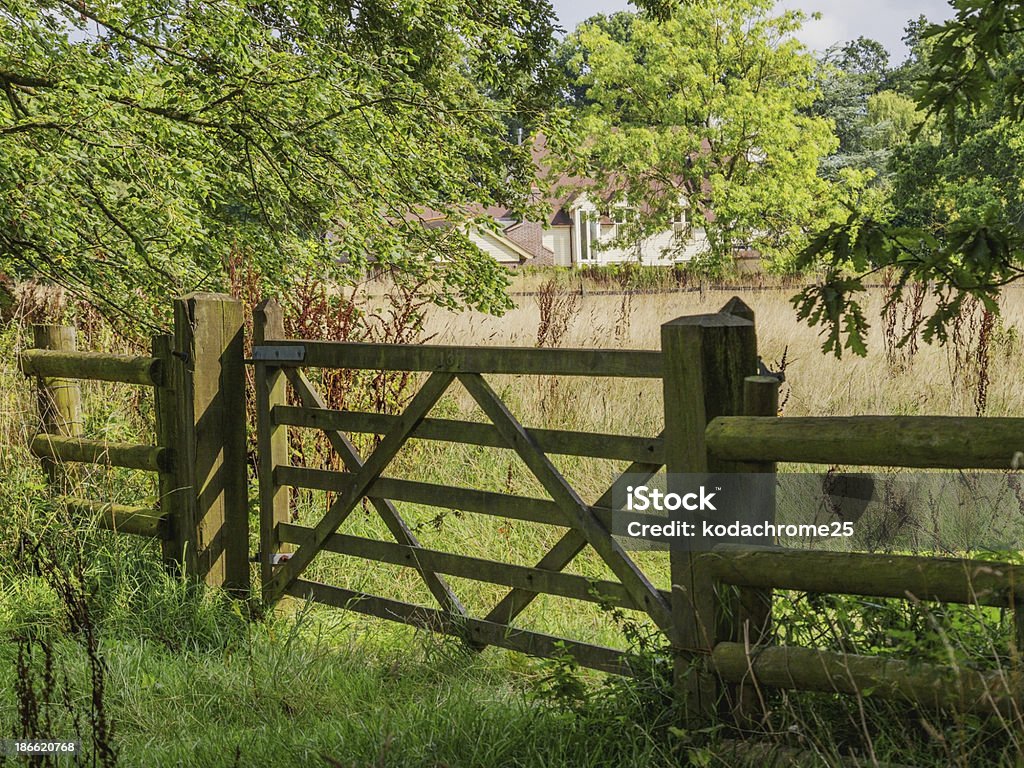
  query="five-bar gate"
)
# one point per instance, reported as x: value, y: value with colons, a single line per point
x: 280, y: 362
x: 718, y: 417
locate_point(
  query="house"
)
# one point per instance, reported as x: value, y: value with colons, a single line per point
x: 579, y: 229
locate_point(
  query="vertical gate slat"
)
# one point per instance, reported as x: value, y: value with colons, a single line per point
x: 271, y: 440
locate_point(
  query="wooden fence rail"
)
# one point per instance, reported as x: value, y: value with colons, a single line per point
x: 923, y: 685
x: 95, y: 366
x: 933, y: 442
x: 149, y: 458
x: 946, y: 580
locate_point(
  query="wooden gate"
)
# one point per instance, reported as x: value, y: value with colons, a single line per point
x: 280, y: 362
x: 718, y: 417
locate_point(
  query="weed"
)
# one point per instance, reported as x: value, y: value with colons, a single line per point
x: 558, y: 308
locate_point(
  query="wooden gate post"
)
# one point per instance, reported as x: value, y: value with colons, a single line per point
x: 208, y: 380
x: 60, y: 401
x: 271, y: 440
x: 706, y: 358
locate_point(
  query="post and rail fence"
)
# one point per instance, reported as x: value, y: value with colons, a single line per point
x: 197, y: 450
x: 719, y: 417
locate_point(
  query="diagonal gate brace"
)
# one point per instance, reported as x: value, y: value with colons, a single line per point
x: 372, y: 469
x: 562, y: 553
x: 577, y: 513
x: 437, y: 585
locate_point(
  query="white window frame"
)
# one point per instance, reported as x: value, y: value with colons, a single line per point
x: 679, y: 220
x: 586, y: 228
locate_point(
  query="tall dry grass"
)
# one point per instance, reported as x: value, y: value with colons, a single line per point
x: 818, y: 384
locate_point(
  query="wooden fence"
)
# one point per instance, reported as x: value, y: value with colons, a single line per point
x: 718, y: 417
x: 197, y: 451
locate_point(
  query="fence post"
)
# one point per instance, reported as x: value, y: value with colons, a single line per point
x: 60, y: 401
x: 175, y: 482
x: 706, y: 358
x: 754, y: 607
x: 208, y: 380
x: 271, y: 439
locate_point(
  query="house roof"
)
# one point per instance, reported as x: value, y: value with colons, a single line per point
x: 529, y: 235
x: 560, y: 190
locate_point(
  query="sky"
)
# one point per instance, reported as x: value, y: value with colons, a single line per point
x: 841, y: 20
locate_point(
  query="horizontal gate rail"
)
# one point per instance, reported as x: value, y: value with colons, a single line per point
x: 478, y: 569
x: 936, y: 442
x: 924, y: 685
x: 578, y: 514
x: 94, y: 366
x: 592, y: 444
x: 122, y: 518
x: 150, y: 458
x: 477, y: 631
x: 948, y: 580
x: 567, y: 548
x: 446, y: 497
x: 630, y: 363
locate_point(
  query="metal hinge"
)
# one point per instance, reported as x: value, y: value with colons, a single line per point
x: 278, y: 559
x: 292, y: 353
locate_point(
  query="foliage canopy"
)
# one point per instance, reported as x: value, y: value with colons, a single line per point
x: 145, y: 140
x: 957, y: 224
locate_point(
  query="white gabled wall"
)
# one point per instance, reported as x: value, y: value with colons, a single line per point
x: 661, y: 249
x: 489, y: 244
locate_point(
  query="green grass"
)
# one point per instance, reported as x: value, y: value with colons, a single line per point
x: 191, y: 681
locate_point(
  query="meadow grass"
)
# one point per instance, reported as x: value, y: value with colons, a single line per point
x: 191, y: 681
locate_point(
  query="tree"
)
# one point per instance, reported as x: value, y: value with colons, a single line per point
x: 958, y: 225
x: 704, y: 112
x: 890, y: 121
x: 573, y: 58
x: 144, y: 140
x: 848, y: 76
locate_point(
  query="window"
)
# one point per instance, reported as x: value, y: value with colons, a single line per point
x: 588, y: 232
x: 679, y: 221
x: 619, y: 215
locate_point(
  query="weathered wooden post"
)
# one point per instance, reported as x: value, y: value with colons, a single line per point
x: 706, y: 359
x: 210, y: 488
x: 268, y: 324
x: 60, y: 401
x: 752, y: 625
x: 174, y: 497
